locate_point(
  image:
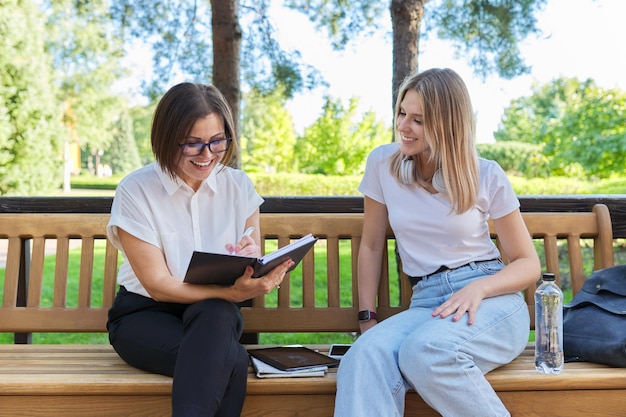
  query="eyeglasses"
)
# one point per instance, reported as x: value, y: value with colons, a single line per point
x: 196, y: 148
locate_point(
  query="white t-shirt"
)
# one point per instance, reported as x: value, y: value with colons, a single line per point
x: 169, y: 215
x: 427, y: 233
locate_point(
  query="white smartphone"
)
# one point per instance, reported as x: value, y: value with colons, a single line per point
x: 338, y: 350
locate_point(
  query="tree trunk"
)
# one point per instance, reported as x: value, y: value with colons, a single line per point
x: 226, y: 52
x: 406, y: 16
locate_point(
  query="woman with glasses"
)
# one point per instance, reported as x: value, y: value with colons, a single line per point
x: 192, y: 198
x: 467, y: 315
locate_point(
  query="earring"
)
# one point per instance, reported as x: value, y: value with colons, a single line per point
x: 407, y: 175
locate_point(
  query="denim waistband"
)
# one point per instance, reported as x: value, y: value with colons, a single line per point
x: 443, y: 268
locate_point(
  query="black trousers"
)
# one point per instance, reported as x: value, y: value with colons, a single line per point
x: 197, y: 344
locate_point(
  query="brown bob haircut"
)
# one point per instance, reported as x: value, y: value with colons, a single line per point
x: 174, y: 118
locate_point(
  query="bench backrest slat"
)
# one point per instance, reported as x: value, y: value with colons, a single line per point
x: 67, y: 305
x: 35, y: 270
x: 322, y: 297
x: 86, y: 268
x: 9, y: 298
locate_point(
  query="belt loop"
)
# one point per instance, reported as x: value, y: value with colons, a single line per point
x: 472, y: 265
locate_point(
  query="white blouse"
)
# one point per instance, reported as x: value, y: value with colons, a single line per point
x: 168, y: 214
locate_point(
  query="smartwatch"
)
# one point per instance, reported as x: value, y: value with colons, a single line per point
x: 366, y: 315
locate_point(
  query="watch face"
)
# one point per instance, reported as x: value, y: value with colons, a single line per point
x: 364, y: 315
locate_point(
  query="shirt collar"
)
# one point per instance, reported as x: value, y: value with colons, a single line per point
x: 174, y: 184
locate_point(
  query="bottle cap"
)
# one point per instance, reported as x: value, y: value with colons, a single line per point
x: 548, y: 276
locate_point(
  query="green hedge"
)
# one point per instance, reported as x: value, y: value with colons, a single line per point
x: 302, y: 184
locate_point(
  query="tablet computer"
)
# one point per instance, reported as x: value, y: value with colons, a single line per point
x: 292, y: 358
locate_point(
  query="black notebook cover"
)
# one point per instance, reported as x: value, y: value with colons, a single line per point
x: 220, y: 269
x: 292, y: 358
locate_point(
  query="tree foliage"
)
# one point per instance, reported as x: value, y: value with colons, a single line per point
x: 142, y: 127
x: 487, y: 32
x: 517, y: 158
x: 180, y: 39
x: 268, y: 137
x: 86, y: 57
x: 30, y: 124
x: 337, y: 144
x: 177, y: 31
x: 59, y: 60
x: 123, y: 155
x: 580, y: 126
x: 342, y: 19
x: 266, y: 65
x: 179, y: 34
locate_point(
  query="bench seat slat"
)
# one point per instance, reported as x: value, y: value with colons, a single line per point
x: 98, y: 369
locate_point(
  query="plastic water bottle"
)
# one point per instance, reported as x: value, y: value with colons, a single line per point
x: 548, y: 326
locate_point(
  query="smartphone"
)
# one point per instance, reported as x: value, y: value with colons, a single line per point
x: 338, y: 350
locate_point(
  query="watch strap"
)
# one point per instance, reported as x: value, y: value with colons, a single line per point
x: 367, y: 315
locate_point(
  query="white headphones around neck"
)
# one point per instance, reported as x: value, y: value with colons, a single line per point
x: 407, y: 176
x: 438, y: 182
x: 406, y: 171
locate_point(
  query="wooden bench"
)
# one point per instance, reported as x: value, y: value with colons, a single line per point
x: 91, y: 380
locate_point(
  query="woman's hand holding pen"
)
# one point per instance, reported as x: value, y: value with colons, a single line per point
x: 247, y: 287
x: 246, y: 246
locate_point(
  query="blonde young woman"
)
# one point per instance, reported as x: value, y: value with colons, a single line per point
x: 467, y: 315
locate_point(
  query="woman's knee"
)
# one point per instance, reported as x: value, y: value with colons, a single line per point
x: 214, y: 306
x: 419, y: 355
x: 371, y: 344
x: 215, y: 312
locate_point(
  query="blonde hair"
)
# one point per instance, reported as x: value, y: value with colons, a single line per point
x: 449, y: 129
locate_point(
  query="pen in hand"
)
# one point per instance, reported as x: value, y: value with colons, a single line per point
x: 248, y: 232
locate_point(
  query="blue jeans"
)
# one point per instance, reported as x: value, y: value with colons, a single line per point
x: 444, y: 361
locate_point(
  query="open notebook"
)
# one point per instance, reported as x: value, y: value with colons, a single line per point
x: 264, y: 370
x: 221, y: 269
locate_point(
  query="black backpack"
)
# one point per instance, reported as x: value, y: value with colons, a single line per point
x: 594, y: 323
